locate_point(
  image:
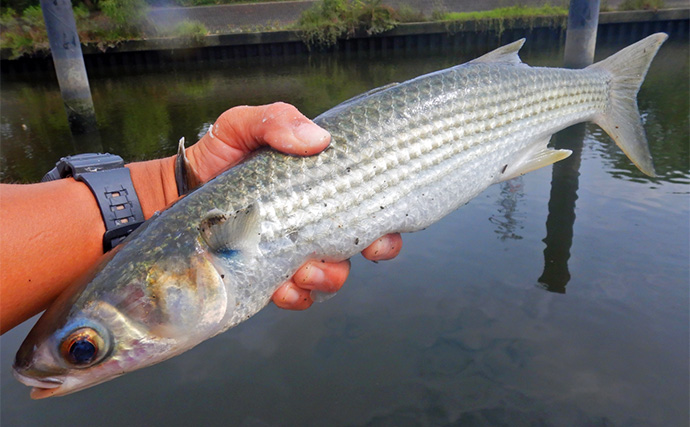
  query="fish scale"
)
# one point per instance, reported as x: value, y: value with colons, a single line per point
x: 401, y: 158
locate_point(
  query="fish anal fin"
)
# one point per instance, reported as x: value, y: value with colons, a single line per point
x: 229, y: 232
x: 507, y: 54
x: 538, y: 156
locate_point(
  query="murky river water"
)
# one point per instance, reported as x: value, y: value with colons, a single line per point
x: 529, y: 306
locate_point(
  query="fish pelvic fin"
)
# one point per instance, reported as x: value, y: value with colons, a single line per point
x: 507, y: 55
x: 536, y: 156
x: 622, y: 120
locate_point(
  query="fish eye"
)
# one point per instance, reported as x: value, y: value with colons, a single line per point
x: 82, y: 348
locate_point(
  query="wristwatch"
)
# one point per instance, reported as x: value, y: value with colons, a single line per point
x: 111, y: 184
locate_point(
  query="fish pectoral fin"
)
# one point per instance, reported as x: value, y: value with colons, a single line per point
x: 507, y: 54
x: 229, y: 232
x: 538, y: 156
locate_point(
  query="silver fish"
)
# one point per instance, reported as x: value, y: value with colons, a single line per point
x: 401, y: 158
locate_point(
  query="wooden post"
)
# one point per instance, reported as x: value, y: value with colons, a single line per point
x: 581, y: 35
x: 69, y: 65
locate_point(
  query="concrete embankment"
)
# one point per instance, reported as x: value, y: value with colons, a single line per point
x: 541, y: 31
x: 225, y: 18
x: 670, y: 20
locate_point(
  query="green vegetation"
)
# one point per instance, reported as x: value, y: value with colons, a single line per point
x: 126, y: 14
x: 504, y: 13
x: 498, y: 19
x: 26, y: 34
x: 325, y: 22
x: 192, y: 31
x: 406, y: 13
x: 641, y: 5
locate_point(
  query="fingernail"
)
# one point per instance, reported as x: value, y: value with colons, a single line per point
x: 381, y: 248
x: 291, y: 296
x: 315, y: 276
x: 310, y: 133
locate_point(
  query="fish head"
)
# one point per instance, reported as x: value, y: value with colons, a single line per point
x: 98, y: 331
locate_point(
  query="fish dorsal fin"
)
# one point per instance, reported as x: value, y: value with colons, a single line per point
x: 365, y: 94
x: 507, y: 54
x: 185, y: 176
x: 230, y: 232
x: 536, y: 156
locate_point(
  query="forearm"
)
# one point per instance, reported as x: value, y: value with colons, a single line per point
x: 154, y: 182
x: 52, y: 233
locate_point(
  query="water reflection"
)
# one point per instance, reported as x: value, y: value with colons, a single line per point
x: 507, y: 218
x: 559, y: 223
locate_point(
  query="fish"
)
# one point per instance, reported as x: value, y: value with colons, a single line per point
x: 401, y: 157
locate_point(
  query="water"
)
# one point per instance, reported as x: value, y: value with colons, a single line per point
x: 467, y: 326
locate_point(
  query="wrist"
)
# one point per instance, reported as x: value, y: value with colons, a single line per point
x: 154, y: 182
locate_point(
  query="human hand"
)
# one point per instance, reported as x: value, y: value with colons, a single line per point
x: 241, y: 130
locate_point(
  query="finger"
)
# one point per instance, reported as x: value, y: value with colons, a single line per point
x: 322, y: 276
x: 241, y: 130
x: 387, y: 247
x: 284, y: 128
x: 279, y: 125
x: 291, y: 297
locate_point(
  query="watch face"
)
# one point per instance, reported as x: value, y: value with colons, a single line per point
x: 92, y: 162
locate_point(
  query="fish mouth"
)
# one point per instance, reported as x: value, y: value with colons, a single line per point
x: 44, y: 387
x: 42, y: 393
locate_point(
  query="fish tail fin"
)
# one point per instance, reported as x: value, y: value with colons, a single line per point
x: 622, y: 120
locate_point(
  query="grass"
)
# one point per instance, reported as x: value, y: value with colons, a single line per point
x: 513, y: 12
x: 191, y: 31
x: 25, y: 33
x: 498, y: 19
x: 327, y: 21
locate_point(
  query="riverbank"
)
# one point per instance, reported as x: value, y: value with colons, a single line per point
x: 403, y: 36
x: 221, y: 19
x: 558, y: 23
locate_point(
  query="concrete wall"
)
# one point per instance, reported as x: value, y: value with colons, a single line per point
x: 613, y: 26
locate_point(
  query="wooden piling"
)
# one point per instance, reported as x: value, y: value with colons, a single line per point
x: 69, y: 65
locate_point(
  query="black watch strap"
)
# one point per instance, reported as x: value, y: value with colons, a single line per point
x: 111, y: 184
